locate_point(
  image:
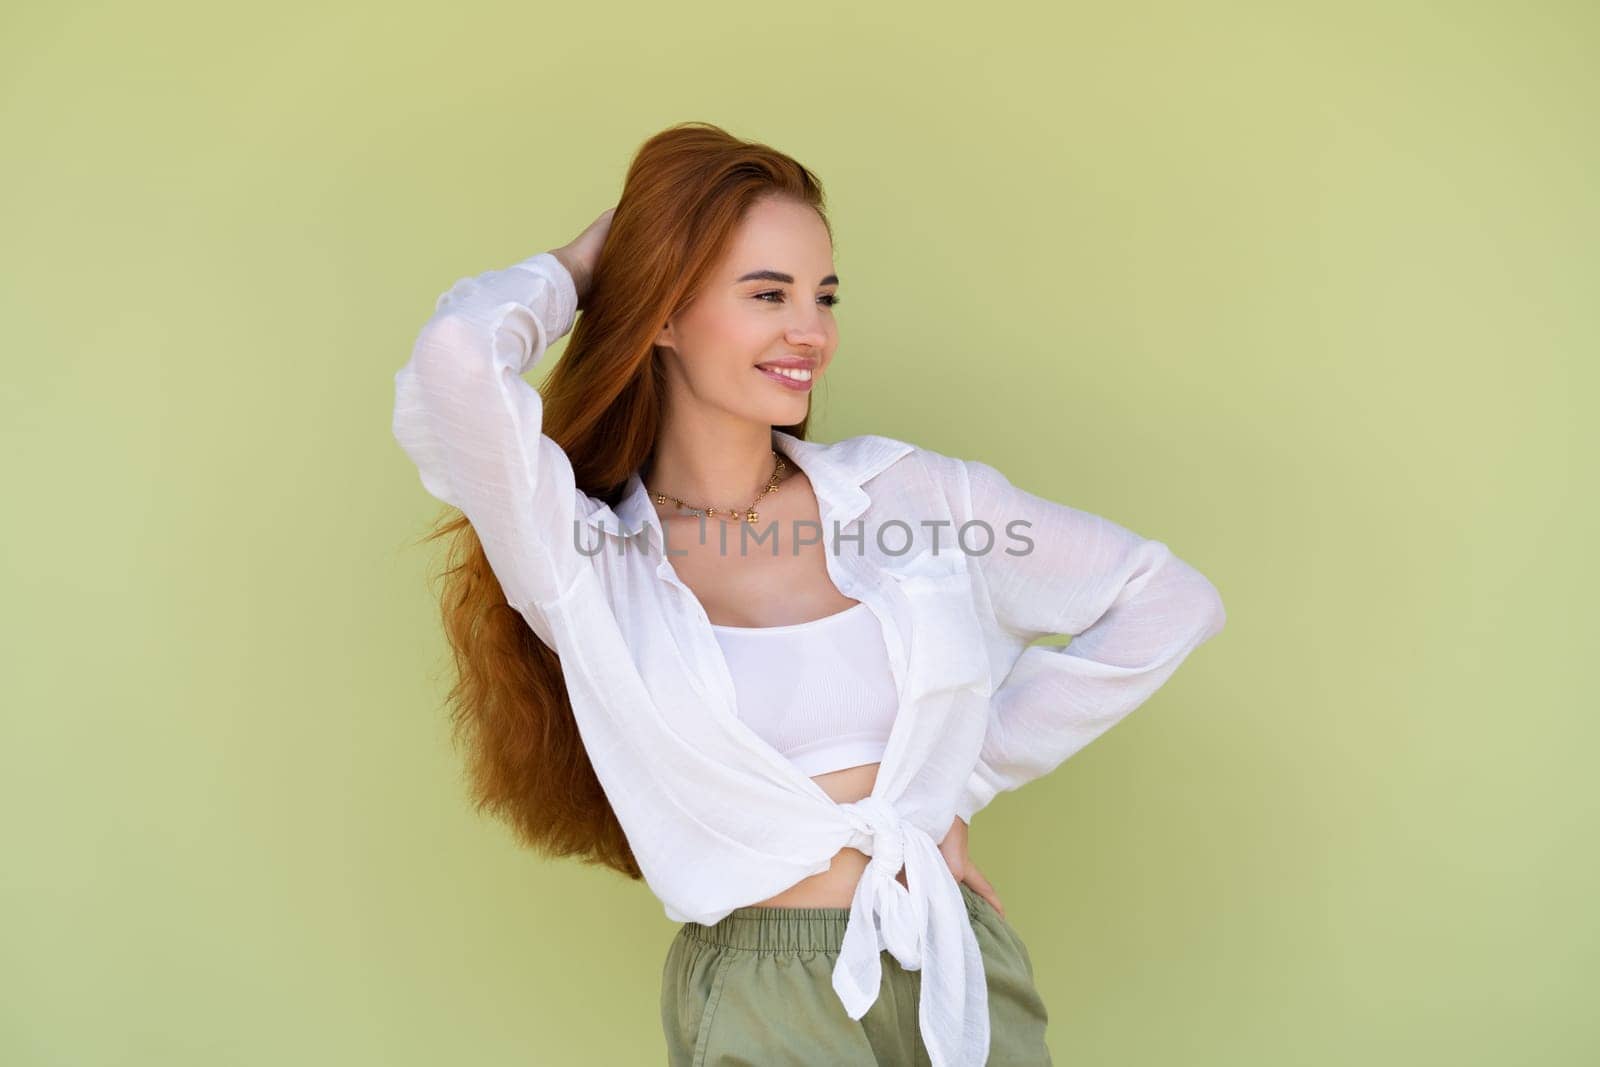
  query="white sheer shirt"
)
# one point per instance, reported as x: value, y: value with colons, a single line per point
x: 716, y: 817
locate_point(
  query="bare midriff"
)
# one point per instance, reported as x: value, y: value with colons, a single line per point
x: 834, y: 887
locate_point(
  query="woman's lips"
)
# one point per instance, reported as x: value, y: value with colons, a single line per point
x: 797, y: 386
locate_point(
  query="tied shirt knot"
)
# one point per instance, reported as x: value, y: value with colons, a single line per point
x: 922, y: 924
x: 883, y: 913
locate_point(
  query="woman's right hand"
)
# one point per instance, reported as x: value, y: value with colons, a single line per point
x: 581, y: 254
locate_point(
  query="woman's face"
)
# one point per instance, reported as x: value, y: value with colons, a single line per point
x: 713, y: 349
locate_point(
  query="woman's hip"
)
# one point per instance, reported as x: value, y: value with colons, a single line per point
x: 757, y: 987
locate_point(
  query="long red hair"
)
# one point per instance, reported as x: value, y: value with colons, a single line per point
x: 686, y: 191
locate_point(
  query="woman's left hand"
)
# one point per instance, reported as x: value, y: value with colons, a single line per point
x: 954, y: 850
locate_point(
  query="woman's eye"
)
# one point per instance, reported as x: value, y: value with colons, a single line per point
x: 828, y: 299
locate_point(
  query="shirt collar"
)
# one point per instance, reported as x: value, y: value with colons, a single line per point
x: 837, y: 471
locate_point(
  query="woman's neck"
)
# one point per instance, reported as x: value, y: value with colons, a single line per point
x: 723, y: 466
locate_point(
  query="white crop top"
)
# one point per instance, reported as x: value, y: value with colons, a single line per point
x: 820, y: 692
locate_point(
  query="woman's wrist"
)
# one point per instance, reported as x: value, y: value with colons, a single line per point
x: 580, y: 279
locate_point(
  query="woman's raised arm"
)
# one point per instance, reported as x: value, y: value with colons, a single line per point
x: 470, y: 423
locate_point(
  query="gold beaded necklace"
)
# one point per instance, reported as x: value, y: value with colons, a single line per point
x: 749, y: 512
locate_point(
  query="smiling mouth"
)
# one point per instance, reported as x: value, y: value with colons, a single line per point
x: 789, y: 377
x: 802, y: 374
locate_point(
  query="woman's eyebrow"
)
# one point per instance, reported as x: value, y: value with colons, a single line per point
x: 779, y: 276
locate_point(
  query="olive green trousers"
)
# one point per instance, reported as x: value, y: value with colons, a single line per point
x: 757, y: 989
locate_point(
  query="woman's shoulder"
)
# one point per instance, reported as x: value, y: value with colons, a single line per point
x: 894, y: 448
x: 904, y: 455
x: 894, y: 468
x: 900, y: 471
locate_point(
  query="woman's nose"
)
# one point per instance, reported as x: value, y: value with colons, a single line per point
x: 809, y: 330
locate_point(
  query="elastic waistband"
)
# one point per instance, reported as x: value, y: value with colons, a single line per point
x: 793, y: 929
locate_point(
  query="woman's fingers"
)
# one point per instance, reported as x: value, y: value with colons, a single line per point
x: 581, y: 254
x: 981, y: 886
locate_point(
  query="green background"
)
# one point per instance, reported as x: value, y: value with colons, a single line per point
x: 1306, y: 291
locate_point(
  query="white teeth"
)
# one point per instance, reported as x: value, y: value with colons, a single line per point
x: 799, y: 374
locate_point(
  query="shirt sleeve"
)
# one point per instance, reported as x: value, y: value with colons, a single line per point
x: 471, y: 425
x: 1134, y: 611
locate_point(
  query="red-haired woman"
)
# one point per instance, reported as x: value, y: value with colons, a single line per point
x: 774, y: 678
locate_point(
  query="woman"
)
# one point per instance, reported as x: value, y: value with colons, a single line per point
x: 761, y: 673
